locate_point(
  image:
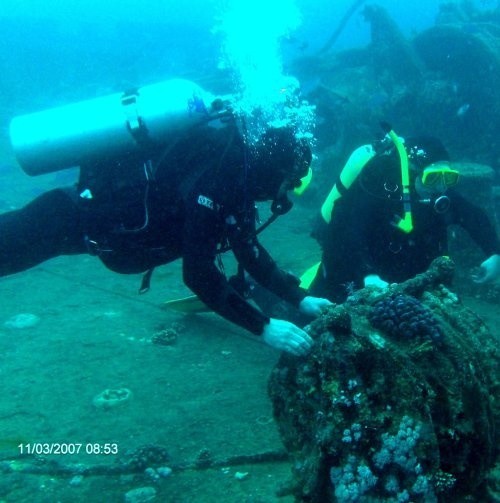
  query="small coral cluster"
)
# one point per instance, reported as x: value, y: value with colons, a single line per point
x: 145, y: 456
x: 398, y: 460
x: 394, y: 470
x: 404, y: 316
x: 165, y: 337
x: 352, y: 480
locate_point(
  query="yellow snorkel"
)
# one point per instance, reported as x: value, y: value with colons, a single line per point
x: 404, y: 223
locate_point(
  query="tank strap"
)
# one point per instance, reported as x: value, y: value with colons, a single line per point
x: 146, y: 281
x: 341, y: 187
x: 135, y: 124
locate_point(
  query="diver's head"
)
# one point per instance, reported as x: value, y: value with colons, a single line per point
x: 430, y: 166
x: 280, y: 162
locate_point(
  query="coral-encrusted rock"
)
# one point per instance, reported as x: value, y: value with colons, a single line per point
x: 368, y: 416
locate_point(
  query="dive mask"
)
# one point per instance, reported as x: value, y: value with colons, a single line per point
x: 439, y: 174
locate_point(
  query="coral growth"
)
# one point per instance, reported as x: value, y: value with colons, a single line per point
x: 404, y: 316
x: 393, y: 417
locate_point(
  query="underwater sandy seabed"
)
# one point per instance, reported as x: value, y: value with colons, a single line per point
x: 206, y: 392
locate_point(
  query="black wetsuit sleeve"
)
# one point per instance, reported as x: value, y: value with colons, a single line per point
x: 202, y: 231
x: 259, y: 264
x: 476, y: 222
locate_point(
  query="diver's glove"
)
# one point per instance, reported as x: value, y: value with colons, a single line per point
x: 313, y: 306
x: 489, y: 270
x: 375, y: 281
x: 286, y: 336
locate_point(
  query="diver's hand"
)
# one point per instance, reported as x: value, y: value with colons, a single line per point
x: 313, y: 306
x: 489, y: 270
x: 286, y: 336
x: 375, y: 281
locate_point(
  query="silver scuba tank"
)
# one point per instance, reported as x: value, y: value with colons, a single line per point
x: 107, y: 127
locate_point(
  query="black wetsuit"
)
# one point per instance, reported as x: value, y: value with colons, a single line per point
x: 198, y: 198
x: 361, y: 238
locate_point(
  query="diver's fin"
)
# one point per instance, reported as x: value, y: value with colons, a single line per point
x: 307, y: 278
x: 191, y: 304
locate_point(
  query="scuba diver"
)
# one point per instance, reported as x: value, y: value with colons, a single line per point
x: 386, y: 218
x: 193, y: 200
